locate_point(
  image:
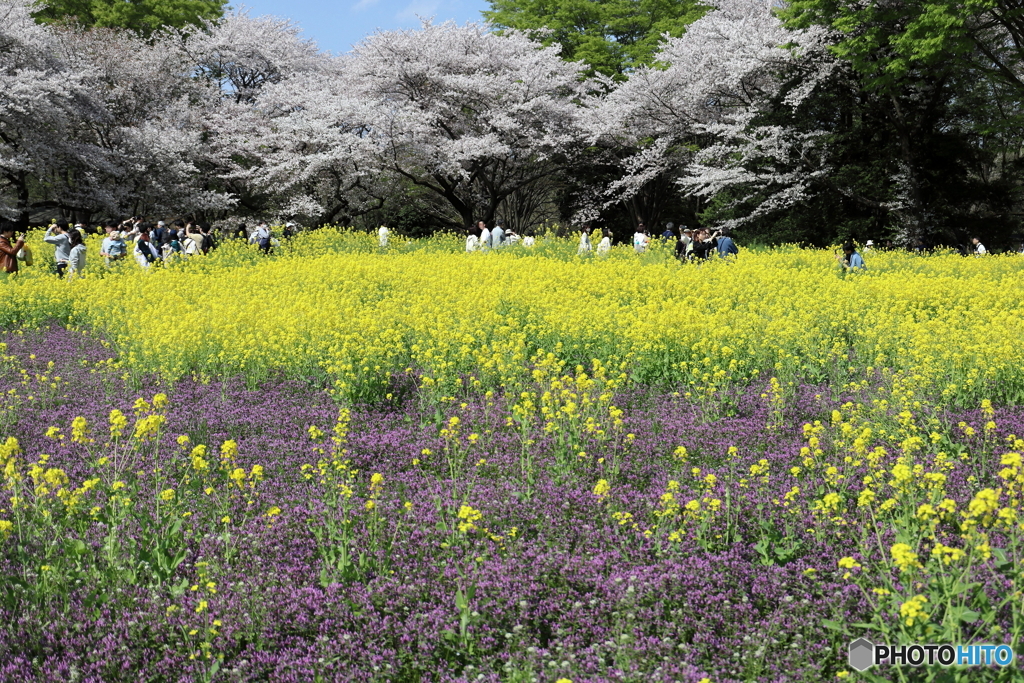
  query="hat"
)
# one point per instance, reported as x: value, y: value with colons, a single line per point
x: 289, y: 225
x: 160, y: 224
x: 687, y: 230
x: 869, y: 243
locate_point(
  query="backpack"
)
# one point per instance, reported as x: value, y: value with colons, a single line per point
x: 207, y: 243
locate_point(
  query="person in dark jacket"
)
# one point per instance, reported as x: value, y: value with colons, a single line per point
x: 704, y: 245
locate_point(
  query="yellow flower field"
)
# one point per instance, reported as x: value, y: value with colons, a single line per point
x: 332, y: 304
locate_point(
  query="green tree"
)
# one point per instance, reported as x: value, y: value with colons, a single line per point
x: 614, y: 37
x: 144, y: 16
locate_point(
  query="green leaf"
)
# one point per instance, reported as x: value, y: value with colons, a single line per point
x: 834, y: 625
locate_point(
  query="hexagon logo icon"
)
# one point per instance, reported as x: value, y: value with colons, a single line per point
x: 862, y: 654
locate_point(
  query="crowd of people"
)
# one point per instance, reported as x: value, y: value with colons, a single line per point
x: 690, y: 244
x: 481, y: 238
x: 136, y: 238
x: 149, y: 243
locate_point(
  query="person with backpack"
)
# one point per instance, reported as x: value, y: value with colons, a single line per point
x: 192, y: 245
x: 146, y: 254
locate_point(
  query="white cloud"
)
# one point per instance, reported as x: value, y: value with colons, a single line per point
x: 363, y: 4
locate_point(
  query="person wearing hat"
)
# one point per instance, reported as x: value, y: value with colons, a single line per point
x: 869, y: 245
x: 8, y: 251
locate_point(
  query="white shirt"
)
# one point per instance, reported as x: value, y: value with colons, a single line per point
x: 980, y: 249
x: 584, y: 243
x: 472, y: 242
x: 639, y: 242
x: 383, y: 235
x: 485, y: 237
x: 528, y: 241
x: 190, y: 247
x: 261, y: 232
x: 604, y: 246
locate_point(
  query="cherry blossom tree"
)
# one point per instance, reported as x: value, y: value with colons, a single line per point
x: 699, y: 116
x: 466, y: 114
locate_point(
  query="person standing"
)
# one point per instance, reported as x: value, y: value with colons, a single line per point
x: 979, y: 248
x: 485, y: 235
x: 639, y: 246
x: 57, y: 235
x: 497, y: 235
x: 8, y: 251
x: 726, y: 247
x: 605, y: 245
x: 76, y: 257
x: 113, y: 248
x: 472, y: 240
x: 669, y: 233
x: 684, y: 245
x: 261, y: 237
x: 208, y: 242
x: 382, y: 236
x: 703, y: 245
x: 145, y: 253
x: 584, y: 247
x: 193, y: 245
x: 530, y: 239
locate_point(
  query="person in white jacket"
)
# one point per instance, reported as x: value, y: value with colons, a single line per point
x: 382, y: 236
x: 605, y: 245
x: 76, y: 257
x: 584, y: 241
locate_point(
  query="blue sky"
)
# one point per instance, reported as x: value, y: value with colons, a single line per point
x: 336, y: 25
